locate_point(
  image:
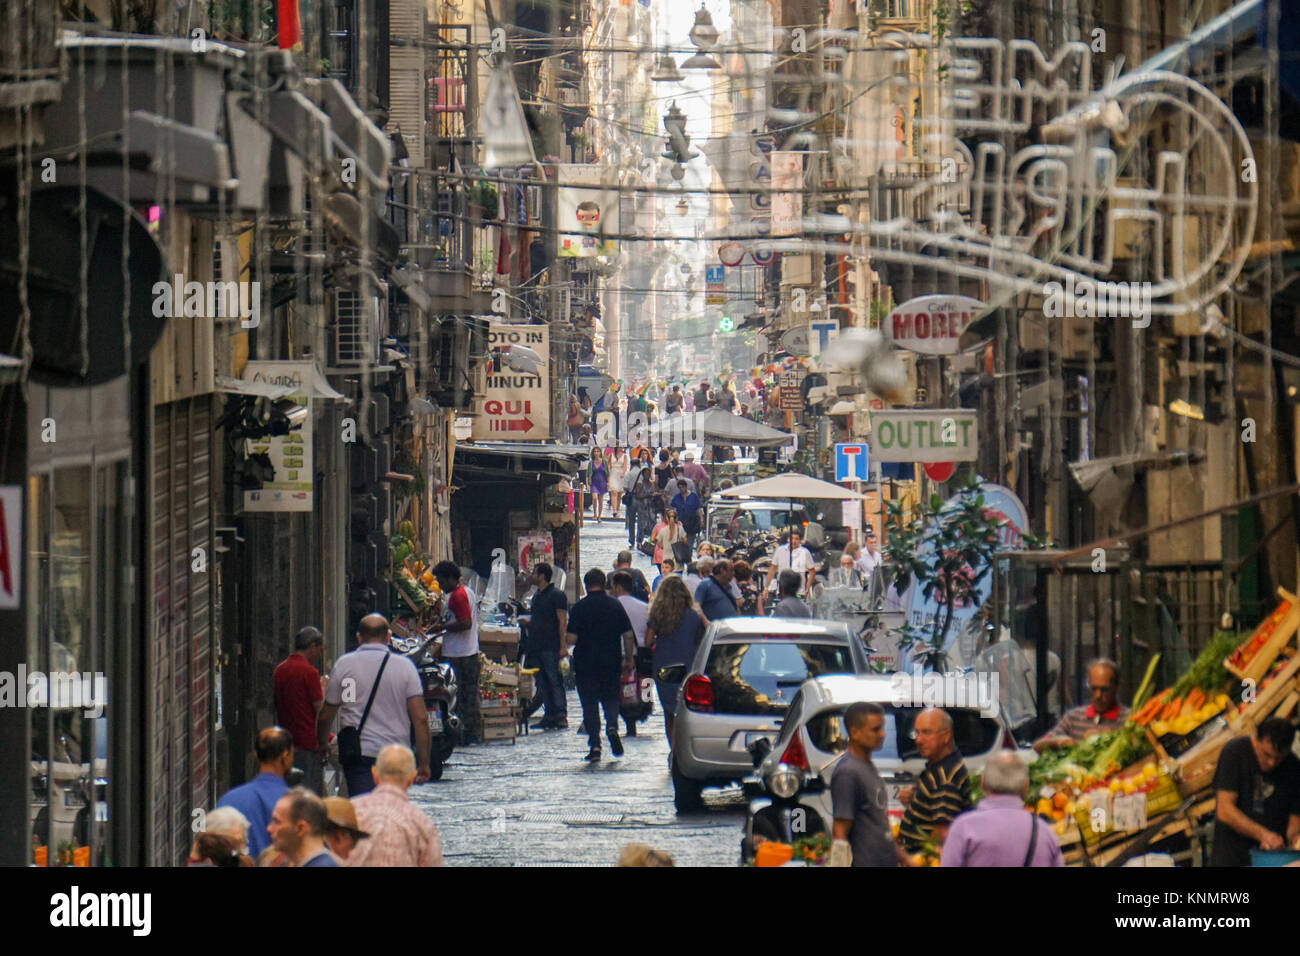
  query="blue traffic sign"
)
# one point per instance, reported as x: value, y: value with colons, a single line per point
x: 851, y: 462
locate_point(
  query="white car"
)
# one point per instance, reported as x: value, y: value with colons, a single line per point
x: 790, y: 789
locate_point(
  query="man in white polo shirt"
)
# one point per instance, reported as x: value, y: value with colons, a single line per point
x: 395, y: 705
x: 795, y: 557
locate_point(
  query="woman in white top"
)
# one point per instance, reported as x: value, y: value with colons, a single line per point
x: 618, y: 465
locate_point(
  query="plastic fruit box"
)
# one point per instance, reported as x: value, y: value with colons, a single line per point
x: 1163, y: 797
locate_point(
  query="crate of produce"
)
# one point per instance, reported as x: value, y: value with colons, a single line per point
x: 1253, y: 658
x: 496, y: 704
x: 1175, y: 745
x: 1163, y: 797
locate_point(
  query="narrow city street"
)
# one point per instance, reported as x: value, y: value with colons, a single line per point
x: 538, y: 803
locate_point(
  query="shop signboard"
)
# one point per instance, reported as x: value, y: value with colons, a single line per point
x: 516, y: 405
x: 795, y: 341
x: 792, y: 390
x: 924, y: 434
x: 787, y: 194
x: 292, y: 487
x: 534, y: 548
x: 931, y: 324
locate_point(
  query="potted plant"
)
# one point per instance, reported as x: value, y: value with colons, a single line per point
x: 483, y: 201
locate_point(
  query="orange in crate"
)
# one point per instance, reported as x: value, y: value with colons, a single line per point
x: 773, y: 854
x: 81, y: 856
x: 41, y: 856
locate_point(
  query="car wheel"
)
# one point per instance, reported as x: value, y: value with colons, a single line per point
x: 686, y: 792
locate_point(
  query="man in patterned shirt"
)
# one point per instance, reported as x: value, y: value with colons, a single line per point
x: 943, y: 790
x: 400, y: 833
x: 1103, y: 715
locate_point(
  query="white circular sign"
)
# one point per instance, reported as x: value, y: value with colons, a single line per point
x: 931, y: 324
x: 731, y: 253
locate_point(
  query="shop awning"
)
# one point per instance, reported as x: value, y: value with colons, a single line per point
x: 520, y: 461
x: 791, y: 485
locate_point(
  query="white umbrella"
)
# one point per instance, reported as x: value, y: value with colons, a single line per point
x: 791, y: 484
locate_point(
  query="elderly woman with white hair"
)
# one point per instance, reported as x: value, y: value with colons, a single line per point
x: 223, y: 841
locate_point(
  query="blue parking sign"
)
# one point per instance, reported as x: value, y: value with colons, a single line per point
x: 851, y: 461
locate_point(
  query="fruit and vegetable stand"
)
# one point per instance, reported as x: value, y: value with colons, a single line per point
x: 412, y: 577
x: 1115, y: 794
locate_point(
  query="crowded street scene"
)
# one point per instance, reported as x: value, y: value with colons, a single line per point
x: 647, y: 433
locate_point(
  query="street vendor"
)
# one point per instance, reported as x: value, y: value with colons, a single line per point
x: 943, y: 791
x: 1103, y: 715
x: 1257, y: 794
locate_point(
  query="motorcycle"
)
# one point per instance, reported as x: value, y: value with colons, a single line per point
x: 438, y: 681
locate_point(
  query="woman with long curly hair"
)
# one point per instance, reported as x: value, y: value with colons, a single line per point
x: 673, y: 631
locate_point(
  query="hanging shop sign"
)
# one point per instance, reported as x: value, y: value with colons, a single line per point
x: 516, y: 404
x: 924, y: 434
x: 795, y: 341
x: 787, y: 193
x: 588, y: 211
x: 534, y: 548
x: 292, y: 487
x: 931, y: 324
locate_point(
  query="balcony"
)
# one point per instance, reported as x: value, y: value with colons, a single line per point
x: 29, y: 65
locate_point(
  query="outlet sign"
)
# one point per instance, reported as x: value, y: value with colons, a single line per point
x: 924, y: 434
x: 931, y: 324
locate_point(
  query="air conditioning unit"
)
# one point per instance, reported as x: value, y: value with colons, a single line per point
x: 449, y: 363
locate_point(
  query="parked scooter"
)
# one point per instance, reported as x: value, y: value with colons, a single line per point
x: 440, y: 693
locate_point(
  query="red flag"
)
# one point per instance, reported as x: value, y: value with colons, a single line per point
x: 287, y: 23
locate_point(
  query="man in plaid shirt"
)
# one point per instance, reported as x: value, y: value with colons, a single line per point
x: 400, y: 833
x: 1103, y: 715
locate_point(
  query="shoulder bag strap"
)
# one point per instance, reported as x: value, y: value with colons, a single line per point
x: 371, y: 699
x: 1033, y: 839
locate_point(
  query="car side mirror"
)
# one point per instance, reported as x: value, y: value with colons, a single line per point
x: 672, y: 674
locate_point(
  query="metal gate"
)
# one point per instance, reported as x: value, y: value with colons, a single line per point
x: 180, y: 655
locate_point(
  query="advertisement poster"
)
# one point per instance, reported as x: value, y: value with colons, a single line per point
x: 787, y: 207
x: 517, y: 403
x: 588, y: 211
x: 534, y: 548
x: 290, y: 454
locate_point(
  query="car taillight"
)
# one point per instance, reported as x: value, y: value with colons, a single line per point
x: 794, y: 755
x: 697, y: 693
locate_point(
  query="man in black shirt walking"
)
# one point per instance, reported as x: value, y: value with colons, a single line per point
x: 604, y: 649
x: 550, y: 615
x: 1257, y: 789
x: 640, y: 586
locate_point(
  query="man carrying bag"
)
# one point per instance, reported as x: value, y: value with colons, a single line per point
x: 376, y: 708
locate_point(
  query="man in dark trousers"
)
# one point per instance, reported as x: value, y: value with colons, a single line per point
x: 604, y: 649
x: 298, y: 700
x: 550, y: 618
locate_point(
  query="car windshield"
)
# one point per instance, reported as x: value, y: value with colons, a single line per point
x: 972, y: 733
x: 762, y: 676
x: 748, y: 520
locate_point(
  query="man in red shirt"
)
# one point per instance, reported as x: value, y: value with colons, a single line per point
x: 298, y: 699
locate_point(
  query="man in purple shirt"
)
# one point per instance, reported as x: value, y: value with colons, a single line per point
x: 696, y: 473
x: 998, y: 832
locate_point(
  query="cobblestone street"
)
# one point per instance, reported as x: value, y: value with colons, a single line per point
x: 538, y: 803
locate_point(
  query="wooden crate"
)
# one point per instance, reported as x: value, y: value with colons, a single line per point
x: 498, y: 726
x: 1276, y: 630
x: 498, y: 643
x: 502, y: 675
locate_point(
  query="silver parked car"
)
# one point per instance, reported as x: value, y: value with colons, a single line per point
x: 790, y: 788
x: 738, y: 688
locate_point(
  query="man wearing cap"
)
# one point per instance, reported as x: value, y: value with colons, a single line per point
x: 400, y: 833
x: 341, y: 828
x: 298, y: 701
x: 696, y: 473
